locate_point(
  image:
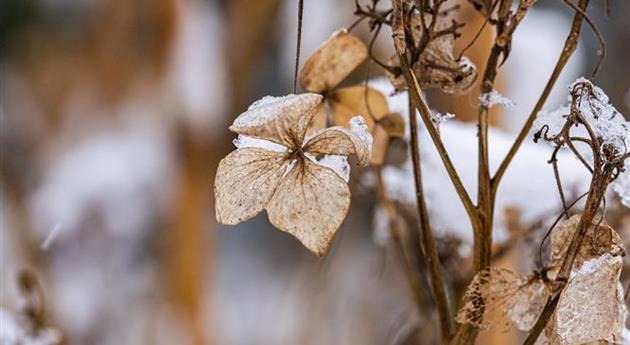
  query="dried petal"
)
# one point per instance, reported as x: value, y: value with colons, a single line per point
x: 342, y: 142
x: 591, y: 305
x: 332, y: 62
x: 320, y: 120
x: 394, y: 125
x: 282, y: 120
x: 246, y: 179
x: 310, y: 203
x: 594, y: 244
x: 503, y: 294
x: 349, y: 102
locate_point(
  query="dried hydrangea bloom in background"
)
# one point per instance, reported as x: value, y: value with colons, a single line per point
x: 437, y: 66
x: 326, y: 68
x: 280, y: 171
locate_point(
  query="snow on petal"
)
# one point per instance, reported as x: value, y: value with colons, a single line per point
x: 282, y: 120
x: 342, y: 142
x: 245, y: 182
x: 310, y: 203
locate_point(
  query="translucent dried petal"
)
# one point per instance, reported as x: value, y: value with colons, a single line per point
x: 283, y: 120
x: 595, y: 243
x: 342, y: 142
x: 349, y: 102
x: 505, y: 295
x: 591, y: 305
x: 245, y: 181
x: 311, y: 203
x: 332, y: 62
x: 394, y: 125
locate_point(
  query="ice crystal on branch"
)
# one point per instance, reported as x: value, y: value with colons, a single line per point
x: 493, y: 98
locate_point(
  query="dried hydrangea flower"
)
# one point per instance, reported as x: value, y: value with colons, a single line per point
x: 437, y: 66
x: 326, y: 68
x: 281, y: 172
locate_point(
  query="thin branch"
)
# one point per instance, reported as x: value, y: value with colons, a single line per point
x: 569, y: 47
x: 298, y: 43
x: 428, y: 242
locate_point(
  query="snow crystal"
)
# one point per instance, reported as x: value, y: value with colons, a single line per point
x: 493, y: 98
x: 621, y: 185
x: 269, y: 107
x: 244, y: 141
x: 440, y: 118
x: 360, y: 129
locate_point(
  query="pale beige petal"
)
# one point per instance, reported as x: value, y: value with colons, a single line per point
x: 595, y: 243
x: 349, y: 102
x: 332, y: 62
x: 591, y: 305
x: 310, y: 203
x: 245, y: 181
x: 283, y: 120
x: 320, y: 120
x: 342, y: 142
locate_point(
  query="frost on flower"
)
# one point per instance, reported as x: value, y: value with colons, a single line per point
x: 302, y: 196
x: 493, y: 98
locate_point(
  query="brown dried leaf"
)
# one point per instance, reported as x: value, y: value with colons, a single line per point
x: 311, y: 203
x: 349, y: 102
x: 591, y: 306
x: 332, y: 62
x: 342, y: 142
x: 504, y: 294
x: 282, y: 120
x: 245, y: 181
x: 394, y: 125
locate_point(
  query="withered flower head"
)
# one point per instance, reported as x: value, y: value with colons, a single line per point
x: 436, y: 65
x: 301, y: 196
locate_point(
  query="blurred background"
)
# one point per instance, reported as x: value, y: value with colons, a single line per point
x: 114, y: 118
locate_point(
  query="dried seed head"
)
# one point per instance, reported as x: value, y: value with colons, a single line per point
x: 332, y: 62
